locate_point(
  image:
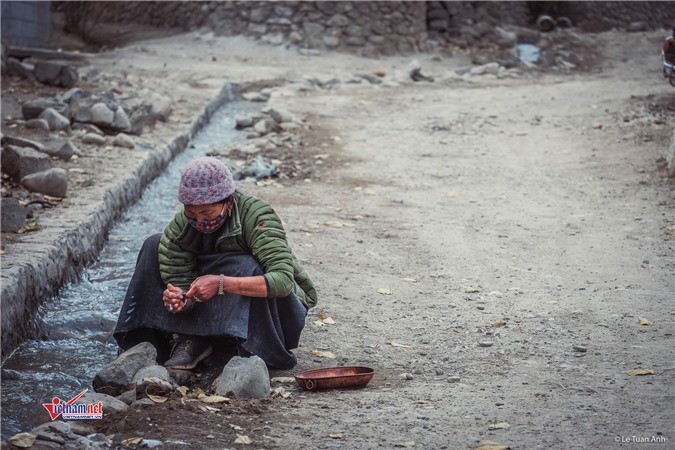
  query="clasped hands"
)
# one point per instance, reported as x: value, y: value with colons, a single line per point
x: 202, y: 289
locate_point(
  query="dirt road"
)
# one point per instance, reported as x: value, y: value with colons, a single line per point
x: 486, y: 245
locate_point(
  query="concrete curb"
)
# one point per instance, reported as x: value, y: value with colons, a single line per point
x: 70, y: 242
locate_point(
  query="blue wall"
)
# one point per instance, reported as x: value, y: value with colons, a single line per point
x: 25, y: 23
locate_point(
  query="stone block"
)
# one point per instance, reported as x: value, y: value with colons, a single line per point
x: 13, y: 214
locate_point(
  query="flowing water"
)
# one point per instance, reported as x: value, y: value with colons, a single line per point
x: 81, y: 319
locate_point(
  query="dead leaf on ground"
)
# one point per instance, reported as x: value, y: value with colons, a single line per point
x: 384, y: 291
x: 29, y: 227
x: 335, y: 436
x: 469, y: 289
x: 280, y: 392
x: 236, y: 427
x: 489, y: 445
x: 644, y: 321
x: 22, y: 440
x: 498, y: 324
x: 132, y: 441
x: 243, y: 439
x: 409, y: 280
x: 338, y: 224
x: 157, y: 398
x: 496, y: 294
x: 321, y: 314
x: 283, y: 380
x: 214, y: 399
x: 323, y: 354
x: 183, y: 390
x: 329, y: 321
x: 396, y: 344
x: 499, y: 426
x: 640, y: 372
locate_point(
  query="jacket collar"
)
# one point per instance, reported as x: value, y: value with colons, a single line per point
x: 232, y: 225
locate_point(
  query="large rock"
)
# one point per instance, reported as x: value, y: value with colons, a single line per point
x: 52, y: 182
x: 55, y: 73
x: 33, y: 108
x: 13, y: 214
x: 244, y: 377
x: 118, y: 376
x: 19, y: 162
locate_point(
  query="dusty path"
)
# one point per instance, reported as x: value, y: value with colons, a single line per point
x: 442, y: 209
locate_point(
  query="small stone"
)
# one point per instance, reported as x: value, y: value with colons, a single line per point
x: 486, y: 343
x: 579, y: 348
x: 110, y: 404
x: 32, y: 108
x: 92, y: 138
x: 123, y: 140
x: 244, y: 122
x: 66, y: 151
x: 56, y: 121
x: 19, y: 162
x: 102, y: 115
x: 55, y: 74
x: 454, y: 379
x: 120, y: 120
x: 406, y: 376
x: 244, y: 377
x: 38, y: 124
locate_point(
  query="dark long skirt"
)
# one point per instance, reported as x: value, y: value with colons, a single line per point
x: 268, y: 328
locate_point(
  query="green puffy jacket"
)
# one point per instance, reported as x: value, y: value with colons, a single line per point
x: 252, y: 227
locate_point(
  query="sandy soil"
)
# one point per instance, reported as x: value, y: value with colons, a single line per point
x: 486, y: 245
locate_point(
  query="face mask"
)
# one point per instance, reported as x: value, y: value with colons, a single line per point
x: 209, y: 226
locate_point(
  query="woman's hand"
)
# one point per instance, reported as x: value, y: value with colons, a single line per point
x: 204, y: 288
x: 174, y: 299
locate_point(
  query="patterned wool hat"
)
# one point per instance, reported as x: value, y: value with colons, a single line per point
x: 204, y: 181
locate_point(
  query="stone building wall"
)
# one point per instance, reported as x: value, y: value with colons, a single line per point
x: 367, y: 28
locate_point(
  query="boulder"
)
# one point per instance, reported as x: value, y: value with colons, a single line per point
x: 13, y: 214
x: 55, y: 73
x: 33, y: 108
x: 117, y: 376
x: 19, y: 162
x: 244, y: 377
x: 56, y: 121
x: 52, y: 182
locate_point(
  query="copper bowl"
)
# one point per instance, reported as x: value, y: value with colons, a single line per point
x: 345, y: 377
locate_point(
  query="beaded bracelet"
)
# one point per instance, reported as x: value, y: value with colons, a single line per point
x: 221, y: 281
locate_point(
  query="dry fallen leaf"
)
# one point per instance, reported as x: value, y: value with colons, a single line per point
x: 243, y: 439
x: 22, y: 440
x: 280, y: 392
x: 323, y: 354
x: 335, y: 436
x: 499, y: 426
x: 329, y: 320
x: 396, y: 344
x: 132, y: 441
x: 183, y: 390
x: 283, y: 380
x: 338, y: 224
x: 321, y: 315
x: 498, y: 324
x: 409, y: 280
x: 489, y: 445
x: 214, y: 399
x: 469, y: 289
x: 644, y: 321
x: 640, y: 372
x: 157, y: 398
x: 384, y: 291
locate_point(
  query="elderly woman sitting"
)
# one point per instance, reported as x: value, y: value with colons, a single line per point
x: 222, y: 268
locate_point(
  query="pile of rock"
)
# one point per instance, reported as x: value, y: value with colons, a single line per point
x: 56, y: 123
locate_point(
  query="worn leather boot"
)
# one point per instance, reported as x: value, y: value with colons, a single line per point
x: 187, y: 352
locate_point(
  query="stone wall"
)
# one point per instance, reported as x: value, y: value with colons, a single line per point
x: 367, y: 28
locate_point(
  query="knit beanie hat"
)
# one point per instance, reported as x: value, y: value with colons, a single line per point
x: 204, y: 181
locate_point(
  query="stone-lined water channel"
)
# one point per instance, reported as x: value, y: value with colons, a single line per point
x: 82, y: 317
